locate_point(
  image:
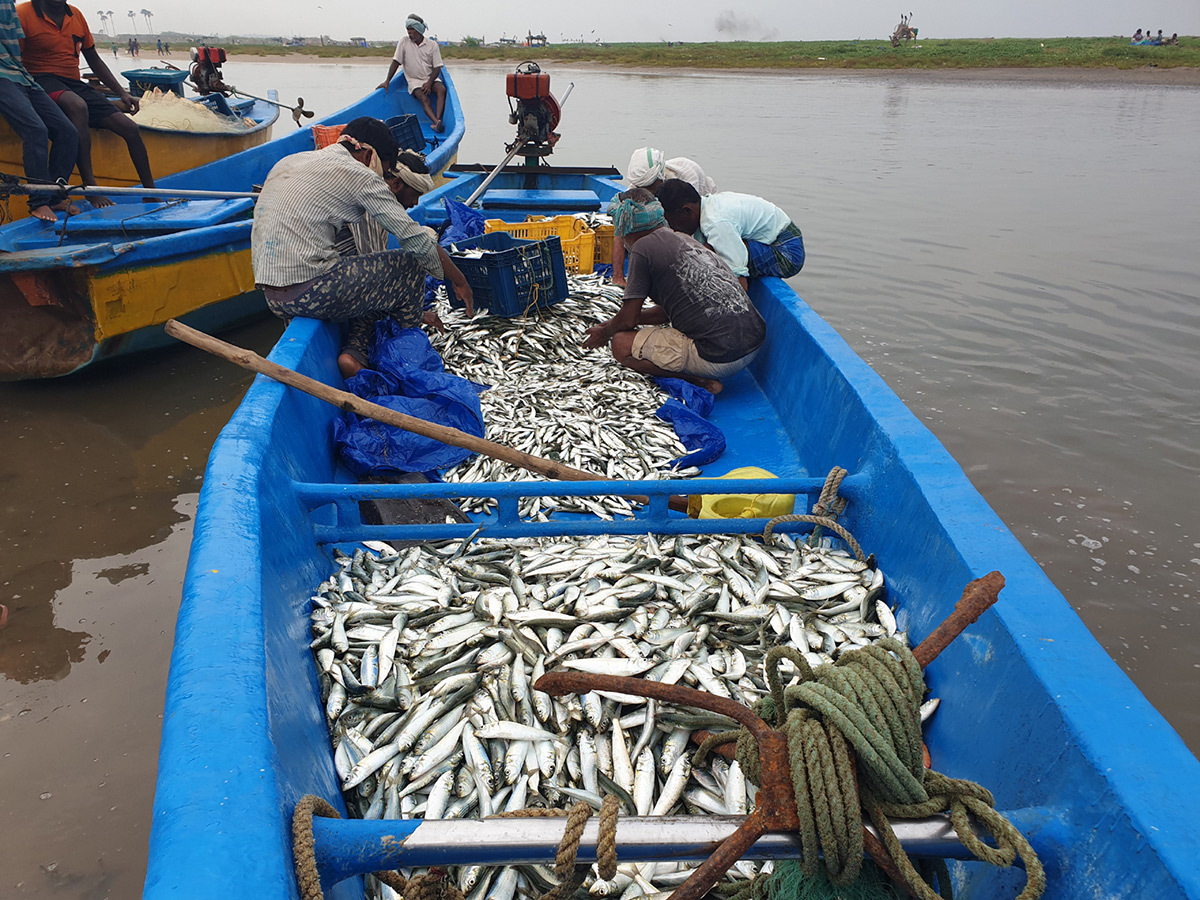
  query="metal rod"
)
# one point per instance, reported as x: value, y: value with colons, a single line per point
x: 84, y: 191
x: 492, y: 175
x: 347, y: 847
x: 307, y: 113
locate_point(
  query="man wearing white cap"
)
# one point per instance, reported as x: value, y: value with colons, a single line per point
x: 421, y: 61
x: 649, y: 168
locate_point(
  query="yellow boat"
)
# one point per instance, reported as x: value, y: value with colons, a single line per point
x: 104, y: 282
x: 170, y: 150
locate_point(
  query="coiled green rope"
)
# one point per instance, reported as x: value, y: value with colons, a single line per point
x: 868, y: 702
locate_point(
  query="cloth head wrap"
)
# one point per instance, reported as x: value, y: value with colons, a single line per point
x: 422, y: 184
x: 354, y: 144
x: 415, y: 24
x: 646, y: 166
x: 629, y: 216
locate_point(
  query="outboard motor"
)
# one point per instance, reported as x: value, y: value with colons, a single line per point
x: 536, y: 113
x: 206, y: 70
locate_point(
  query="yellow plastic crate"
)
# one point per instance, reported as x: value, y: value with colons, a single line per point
x: 578, y: 241
x: 604, y: 244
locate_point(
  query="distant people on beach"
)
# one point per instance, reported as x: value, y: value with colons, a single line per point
x: 160, y: 50
x: 1144, y: 39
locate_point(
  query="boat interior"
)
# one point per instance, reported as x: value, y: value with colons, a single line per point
x: 807, y: 404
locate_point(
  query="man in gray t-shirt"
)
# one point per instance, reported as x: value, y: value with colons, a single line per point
x: 703, y: 325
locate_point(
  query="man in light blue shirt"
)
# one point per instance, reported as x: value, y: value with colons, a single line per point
x: 754, y: 236
x: 49, y: 140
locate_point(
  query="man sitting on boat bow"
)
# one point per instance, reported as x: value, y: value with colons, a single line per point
x: 702, y: 327
x: 307, y: 201
x: 421, y: 60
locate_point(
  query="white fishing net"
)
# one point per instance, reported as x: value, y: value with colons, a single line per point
x: 164, y: 109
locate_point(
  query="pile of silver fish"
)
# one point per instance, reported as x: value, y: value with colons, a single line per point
x: 551, y: 398
x: 427, y: 659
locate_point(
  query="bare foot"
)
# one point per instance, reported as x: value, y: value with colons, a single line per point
x: 99, y: 202
x: 437, y: 125
x: 44, y: 213
x: 66, y: 206
x: 348, y: 365
x: 710, y: 384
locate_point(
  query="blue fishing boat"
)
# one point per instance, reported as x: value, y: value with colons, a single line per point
x: 1031, y: 705
x: 102, y: 283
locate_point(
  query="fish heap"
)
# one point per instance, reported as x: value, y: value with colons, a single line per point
x: 427, y: 660
x: 551, y: 398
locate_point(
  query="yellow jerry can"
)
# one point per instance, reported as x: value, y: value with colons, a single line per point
x: 741, y: 506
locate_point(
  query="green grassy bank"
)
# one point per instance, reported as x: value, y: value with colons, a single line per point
x: 962, y: 53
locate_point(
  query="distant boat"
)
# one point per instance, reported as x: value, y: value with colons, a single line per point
x: 102, y: 283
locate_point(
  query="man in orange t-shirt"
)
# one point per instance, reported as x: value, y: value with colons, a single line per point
x: 55, y: 35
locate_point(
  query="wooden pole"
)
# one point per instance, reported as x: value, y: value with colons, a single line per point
x: 346, y: 401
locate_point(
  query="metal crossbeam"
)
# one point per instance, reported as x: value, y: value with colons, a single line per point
x: 347, y: 847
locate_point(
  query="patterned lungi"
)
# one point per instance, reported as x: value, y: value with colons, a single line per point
x: 359, y: 290
x: 783, y: 257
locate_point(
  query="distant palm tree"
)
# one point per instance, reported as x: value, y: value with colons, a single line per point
x: 132, y: 19
x: 148, y: 16
x: 103, y: 20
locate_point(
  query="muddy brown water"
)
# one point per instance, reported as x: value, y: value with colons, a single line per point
x: 1016, y: 259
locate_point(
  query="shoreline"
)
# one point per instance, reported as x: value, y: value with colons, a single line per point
x: 1185, y: 76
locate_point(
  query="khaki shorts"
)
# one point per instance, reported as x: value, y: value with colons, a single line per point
x: 674, y: 351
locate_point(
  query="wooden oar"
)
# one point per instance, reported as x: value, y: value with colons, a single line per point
x: 344, y: 400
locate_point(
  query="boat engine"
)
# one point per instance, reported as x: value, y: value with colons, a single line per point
x: 206, y: 70
x: 535, y: 114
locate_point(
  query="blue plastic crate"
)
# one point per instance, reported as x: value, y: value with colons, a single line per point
x: 513, y: 276
x: 143, y: 80
x: 406, y: 130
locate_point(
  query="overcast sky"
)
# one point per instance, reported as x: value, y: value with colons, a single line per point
x: 639, y: 20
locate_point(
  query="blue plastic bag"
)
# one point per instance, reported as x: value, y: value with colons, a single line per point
x: 686, y: 413
x: 702, y: 437
x: 464, y: 223
x: 408, y: 378
x: 694, y: 397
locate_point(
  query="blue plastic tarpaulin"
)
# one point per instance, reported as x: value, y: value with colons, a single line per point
x: 462, y: 223
x: 686, y: 412
x: 408, y: 377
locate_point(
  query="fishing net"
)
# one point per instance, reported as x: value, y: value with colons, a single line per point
x: 164, y: 109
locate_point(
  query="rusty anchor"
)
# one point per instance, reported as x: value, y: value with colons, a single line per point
x: 775, y: 809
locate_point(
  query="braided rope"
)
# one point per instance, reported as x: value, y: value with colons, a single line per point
x: 824, y: 514
x: 570, y: 876
x: 432, y: 886
x: 869, y: 703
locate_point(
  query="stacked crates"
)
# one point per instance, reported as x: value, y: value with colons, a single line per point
x: 578, y: 241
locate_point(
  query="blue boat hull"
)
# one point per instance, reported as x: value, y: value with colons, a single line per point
x: 1031, y: 706
x: 58, y: 294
